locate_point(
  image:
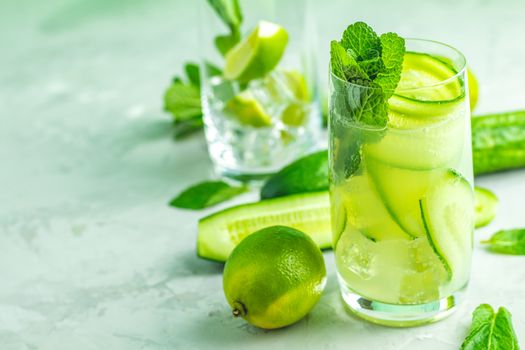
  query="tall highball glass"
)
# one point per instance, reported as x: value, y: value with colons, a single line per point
x: 402, y: 195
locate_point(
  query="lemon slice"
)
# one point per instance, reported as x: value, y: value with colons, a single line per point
x: 247, y: 110
x: 258, y: 54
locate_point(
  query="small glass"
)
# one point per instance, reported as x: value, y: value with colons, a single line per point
x: 250, y: 141
x: 401, y: 196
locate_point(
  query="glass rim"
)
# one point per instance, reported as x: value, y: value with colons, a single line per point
x: 460, y: 71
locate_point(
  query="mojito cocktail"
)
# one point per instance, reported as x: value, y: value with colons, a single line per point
x: 401, y: 187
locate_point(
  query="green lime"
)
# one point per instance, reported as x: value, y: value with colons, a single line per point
x: 297, y: 84
x: 258, y: 54
x: 473, y: 89
x: 274, y: 277
x: 247, y: 110
x: 296, y: 112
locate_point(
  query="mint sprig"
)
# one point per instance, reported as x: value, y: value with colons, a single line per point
x: 491, y: 330
x: 183, y: 101
x: 229, y: 11
x: 373, y: 63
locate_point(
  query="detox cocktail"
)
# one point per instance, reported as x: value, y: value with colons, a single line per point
x: 400, y: 176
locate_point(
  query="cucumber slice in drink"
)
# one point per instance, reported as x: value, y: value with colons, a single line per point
x: 219, y: 233
x: 447, y: 211
x: 400, y: 190
x: 366, y: 212
x: 412, y: 97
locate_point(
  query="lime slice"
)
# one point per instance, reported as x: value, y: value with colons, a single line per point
x: 247, y: 110
x: 412, y: 99
x: 294, y: 114
x: 258, y: 54
x: 473, y: 89
x: 297, y: 84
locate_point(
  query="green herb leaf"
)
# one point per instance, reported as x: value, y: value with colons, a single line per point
x: 212, y: 70
x: 343, y: 65
x: 508, y: 242
x: 206, y: 194
x: 193, y: 73
x: 374, y: 64
x: 306, y: 174
x: 229, y: 12
x: 361, y: 41
x: 393, y: 50
x: 490, y: 330
x: 224, y: 43
x: 183, y: 101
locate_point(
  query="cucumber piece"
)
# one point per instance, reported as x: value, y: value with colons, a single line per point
x: 219, y: 233
x: 412, y: 99
x: 401, y: 189
x: 448, y: 217
x: 420, y: 146
x: 486, y: 206
x: 498, y: 142
x: 365, y: 211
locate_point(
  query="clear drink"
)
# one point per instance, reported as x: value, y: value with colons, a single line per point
x: 260, y: 97
x: 401, y: 197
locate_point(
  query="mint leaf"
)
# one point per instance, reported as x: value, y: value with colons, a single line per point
x: 193, y: 73
x: 183, y: 101
x: 508, y: 242
x: 229, y: 12
x: 224, y: 43
x: 306, y: 174
x: 372, y: 67
x: 372, y: 63
x: 362, y: 42
x: 206, y: 194
x: 490, y: 330
x: 393, y: 50
x: 343, y: 65
x: 212, y: 70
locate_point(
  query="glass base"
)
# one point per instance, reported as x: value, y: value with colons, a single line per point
x: 395, y: 315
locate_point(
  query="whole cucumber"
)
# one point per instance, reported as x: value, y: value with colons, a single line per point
x: 498, y: 142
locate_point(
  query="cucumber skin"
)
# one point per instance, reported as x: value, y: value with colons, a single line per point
x: 445, y: 263
x: 212, y: 246
x: 498, y: 142
x: 488, y: 202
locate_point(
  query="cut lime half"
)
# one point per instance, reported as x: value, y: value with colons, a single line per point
x: 257, y: 54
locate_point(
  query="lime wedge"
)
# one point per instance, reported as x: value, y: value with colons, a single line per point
x: 297, y: 84
x: 296, y: 111
x: 473, y: 89
x: 247, y: 110
x: 258, y: 54
x: 294, y: 114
